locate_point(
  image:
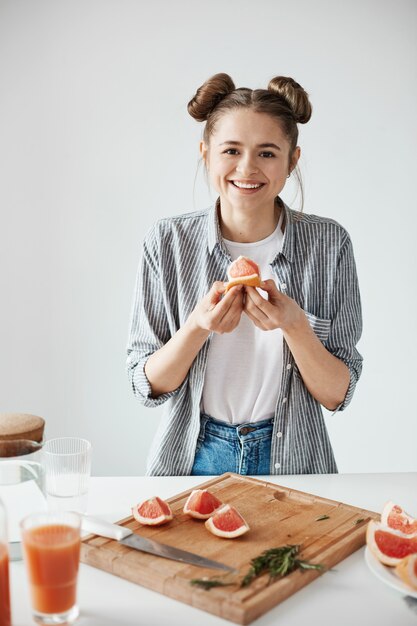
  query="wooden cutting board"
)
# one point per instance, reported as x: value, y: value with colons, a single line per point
x: 276, y: 515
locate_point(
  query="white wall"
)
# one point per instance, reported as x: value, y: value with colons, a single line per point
x: 96, y: 144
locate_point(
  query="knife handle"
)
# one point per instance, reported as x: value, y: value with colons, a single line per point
x: 100, y: 527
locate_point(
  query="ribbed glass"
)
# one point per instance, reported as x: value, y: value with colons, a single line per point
x: 67, y: 463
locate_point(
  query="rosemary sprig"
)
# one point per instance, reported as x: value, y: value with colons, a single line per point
x: 277, y: 562
x: 319, y: 519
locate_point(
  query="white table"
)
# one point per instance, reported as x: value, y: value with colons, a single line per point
x: 349, y: 596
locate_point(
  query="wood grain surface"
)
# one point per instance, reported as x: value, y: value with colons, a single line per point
x: 276, y: 515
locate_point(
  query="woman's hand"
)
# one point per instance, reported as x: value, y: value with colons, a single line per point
x: 278, y: 311
x: 167, y: 368
x: 218, y: 314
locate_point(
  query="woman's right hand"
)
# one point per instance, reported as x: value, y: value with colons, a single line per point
x: 167, y: 368
x: 218, y: 314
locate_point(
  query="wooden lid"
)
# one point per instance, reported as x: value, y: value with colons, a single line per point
x: 21, y: 426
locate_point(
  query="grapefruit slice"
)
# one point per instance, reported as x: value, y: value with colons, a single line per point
x: 227, y: 522
x: 407, y: 570
x: 201, y: 504
x: 395, y: 517
x: 243, y: 271
x: 152, y: 512
x: 389, y: 545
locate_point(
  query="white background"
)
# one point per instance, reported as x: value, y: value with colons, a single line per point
x: 96, y: 144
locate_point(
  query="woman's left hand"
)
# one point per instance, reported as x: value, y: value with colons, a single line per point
x: 278, y: 311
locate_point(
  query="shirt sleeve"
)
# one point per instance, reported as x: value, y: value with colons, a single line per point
x: 149, y: 326
x: 346, y: 323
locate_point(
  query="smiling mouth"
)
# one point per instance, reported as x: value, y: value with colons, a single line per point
x: 242, y: 185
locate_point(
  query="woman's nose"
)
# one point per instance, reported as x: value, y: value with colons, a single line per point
x: 246, y: 165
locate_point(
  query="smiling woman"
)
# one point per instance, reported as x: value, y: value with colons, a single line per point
x: 247, y: 175
x: 245, y: 370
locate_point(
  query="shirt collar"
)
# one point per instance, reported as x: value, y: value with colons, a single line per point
x: 214, y: 235
x: 288, y: 243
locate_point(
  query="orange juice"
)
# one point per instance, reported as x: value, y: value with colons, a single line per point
x: 4, y: 587
x: 52, y: 554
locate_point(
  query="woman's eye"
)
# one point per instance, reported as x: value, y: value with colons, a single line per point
x: 233, y: 152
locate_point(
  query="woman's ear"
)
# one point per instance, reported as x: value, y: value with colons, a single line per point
x: 204, y: 153
x: 294, y: 159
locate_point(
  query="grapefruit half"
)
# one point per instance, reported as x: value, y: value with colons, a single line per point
x: 395, y: 517
x: 389, y: 545
x: 243, y: 271
x: 227, y: 522
x: 152, y: 512
x: 201, y: 504
x: 407, y: 570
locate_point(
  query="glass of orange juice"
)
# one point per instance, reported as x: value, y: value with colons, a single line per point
x: 51, y: 547
x: 5, y: 619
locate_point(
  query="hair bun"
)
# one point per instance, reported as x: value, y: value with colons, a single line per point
x: 208, y: 96
x: 294, y: 95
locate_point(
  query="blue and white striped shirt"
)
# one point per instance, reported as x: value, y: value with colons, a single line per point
x: 182, y: 257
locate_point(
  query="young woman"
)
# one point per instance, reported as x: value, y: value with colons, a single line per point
x: 245, y: 372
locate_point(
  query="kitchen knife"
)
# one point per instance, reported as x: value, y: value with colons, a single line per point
x: 128, y: 538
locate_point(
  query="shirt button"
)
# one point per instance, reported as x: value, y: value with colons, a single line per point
x: 283, y: 286
x: 277, y: 465
x: 284, y: 400
x: 279, y: 435
x: 289, y: 366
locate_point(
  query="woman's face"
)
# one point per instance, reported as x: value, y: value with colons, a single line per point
x: 248, y: 160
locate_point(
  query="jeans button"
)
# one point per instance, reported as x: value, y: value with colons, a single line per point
x: 245, y: 430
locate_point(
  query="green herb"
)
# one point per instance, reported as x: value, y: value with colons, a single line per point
x: 361, y: 519
x: 277, y: 562
x: 322, y: 517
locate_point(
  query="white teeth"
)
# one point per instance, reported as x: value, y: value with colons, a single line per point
x: 246, y: 185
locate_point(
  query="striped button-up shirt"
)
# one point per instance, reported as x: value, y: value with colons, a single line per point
x: 182, y: 257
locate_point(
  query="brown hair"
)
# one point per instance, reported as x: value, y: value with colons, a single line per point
x: 284, y: 99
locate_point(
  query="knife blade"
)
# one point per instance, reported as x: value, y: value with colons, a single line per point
x: 128, y: 538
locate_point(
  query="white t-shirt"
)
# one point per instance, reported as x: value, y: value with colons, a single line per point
x: 243, y: 374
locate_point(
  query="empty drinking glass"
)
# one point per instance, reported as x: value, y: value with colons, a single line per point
x: 67, y: 464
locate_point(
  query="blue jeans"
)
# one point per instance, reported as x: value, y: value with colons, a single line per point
x: 239, y: 448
